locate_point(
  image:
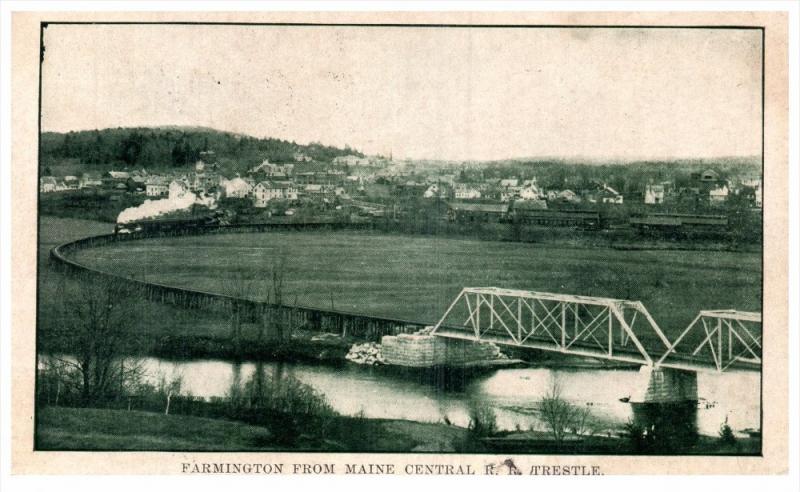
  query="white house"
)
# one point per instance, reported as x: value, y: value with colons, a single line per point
x: 314, y: 189
x: 202, y: 181
x: 530, y: 192
x: 47, y: 184
x: 273, y: 170
x: 178, y: 188
x: 237, y: 188
x: 506, y: 195
x: 752, y: 182
x: 432, y: 191
x: 568, y: 196
x: 608, y: 194
x: 72, y: 182
x: 350, y: 160
x: 289, y: 190
x: 119, y: 175
x: 90, y: 180
x: 654, y: 194
x: 755, y: 184
x: 463, y: 192
x: 718, y: 195
x: 265, y: 191
x: 156, y: 186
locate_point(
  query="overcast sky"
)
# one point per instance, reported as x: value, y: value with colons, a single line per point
x: 443, y: 93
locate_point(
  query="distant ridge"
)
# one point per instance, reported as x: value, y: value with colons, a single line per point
x: 173, y: 146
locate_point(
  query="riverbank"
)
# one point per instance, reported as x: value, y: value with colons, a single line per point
x: 331, y: 350
x: 93, y: 429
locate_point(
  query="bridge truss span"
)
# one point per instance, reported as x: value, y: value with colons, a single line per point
x: 597, y: 327
x: 728, y: 339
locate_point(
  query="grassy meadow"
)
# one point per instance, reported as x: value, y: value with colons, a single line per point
x: 416, y: 277
x: 97, y: 429
x: 62, y: 428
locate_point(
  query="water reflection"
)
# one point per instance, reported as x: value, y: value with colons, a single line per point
x: 512, y: 393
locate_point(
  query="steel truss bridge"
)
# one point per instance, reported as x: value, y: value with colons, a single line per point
x: 612, y: 329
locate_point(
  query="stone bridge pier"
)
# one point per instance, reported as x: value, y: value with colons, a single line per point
x: 664, y: 405
x: 665, y: 385
x: 419, y: 350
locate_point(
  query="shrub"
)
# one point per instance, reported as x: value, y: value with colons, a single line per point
x: 289, y: 407
x: 482, y: 421
x: 640, y: 440
x: 561, y: 416
x: 726, y: 436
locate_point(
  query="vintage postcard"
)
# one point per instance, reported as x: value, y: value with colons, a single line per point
x: 400, y: 243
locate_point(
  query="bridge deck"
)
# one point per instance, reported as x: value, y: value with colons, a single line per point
x: 584, y: 349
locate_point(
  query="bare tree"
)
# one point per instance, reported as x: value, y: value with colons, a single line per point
x: 557, y: 413
x: 278, y: 275
x: 272, y: 293
x: 169, y: 388
x: 267, y: 290
x: 95, y: 327
x: 581, y: 421
x: 240, y: 287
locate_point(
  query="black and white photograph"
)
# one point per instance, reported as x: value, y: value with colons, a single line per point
x: 419, y: 244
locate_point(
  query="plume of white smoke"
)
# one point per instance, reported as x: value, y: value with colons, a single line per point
x: 155, y: 208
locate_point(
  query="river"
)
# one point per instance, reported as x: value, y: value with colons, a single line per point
x: 511, y: 393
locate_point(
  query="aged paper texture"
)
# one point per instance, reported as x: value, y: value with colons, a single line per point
x: 400, y: 243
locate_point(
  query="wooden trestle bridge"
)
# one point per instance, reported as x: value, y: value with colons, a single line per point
x: 612, y: 329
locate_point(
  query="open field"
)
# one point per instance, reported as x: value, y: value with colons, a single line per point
x: 415, y: 278
x: 89, y: 428
x: 57, y: 230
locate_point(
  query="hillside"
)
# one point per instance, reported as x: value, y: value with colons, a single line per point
x: 167, y: 148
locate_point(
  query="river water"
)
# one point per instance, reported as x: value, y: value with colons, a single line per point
x: 511, y: 393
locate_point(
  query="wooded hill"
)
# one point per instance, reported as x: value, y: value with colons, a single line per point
x: 170, y: 147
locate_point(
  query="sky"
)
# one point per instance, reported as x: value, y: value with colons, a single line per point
x: 420, y: 93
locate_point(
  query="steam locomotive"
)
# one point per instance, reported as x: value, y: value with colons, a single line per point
x: 168, y: 225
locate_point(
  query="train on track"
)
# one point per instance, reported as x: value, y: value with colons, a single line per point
x: 167, y: 225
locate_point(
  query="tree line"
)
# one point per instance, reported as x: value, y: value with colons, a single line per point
x: 624, y: 177
x: 165, y: 147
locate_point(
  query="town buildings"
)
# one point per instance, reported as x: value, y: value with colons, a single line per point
x: 178, y: 188
x: 90, y: 180
x: 47, y: 184
x: 465, y: 192
x: 237, y: 188
x: 265, y: 191
x: 654, y: 194
x: 157, y: 186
